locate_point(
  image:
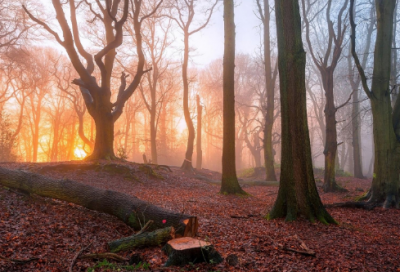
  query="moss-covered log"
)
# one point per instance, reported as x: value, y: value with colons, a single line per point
x: 153, y: 238
x: 129, y: 209
x: 187, y: 250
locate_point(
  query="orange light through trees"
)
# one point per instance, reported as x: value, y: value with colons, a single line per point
x: 79, y: 153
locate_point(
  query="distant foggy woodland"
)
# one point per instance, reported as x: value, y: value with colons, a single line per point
x: 44, y: 115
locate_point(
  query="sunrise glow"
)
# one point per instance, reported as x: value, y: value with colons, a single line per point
x: 79, y: 153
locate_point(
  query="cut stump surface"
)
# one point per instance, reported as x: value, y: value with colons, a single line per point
x: 185, y: 250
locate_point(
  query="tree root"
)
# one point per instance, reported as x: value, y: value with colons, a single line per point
x: 352, y: 204
x: 336, y: 188
x: 147, y: 169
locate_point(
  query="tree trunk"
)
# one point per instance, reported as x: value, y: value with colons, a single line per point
x: 356, y: 135
x: 297, y: 191
x: 131, y: 210
x: 187, y: 163
x: 385, y: 182
x: 330, y: 149
x: 270, y: 86
x: 153, y: 137
x: 229, y: 183
x: 199, y: 152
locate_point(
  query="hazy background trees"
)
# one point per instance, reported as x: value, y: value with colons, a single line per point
x: 45, y: 118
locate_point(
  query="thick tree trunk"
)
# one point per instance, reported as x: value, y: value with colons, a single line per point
x: 104, y: 141
x: 199, y: 151
x: 297, y: 191
x: 270, y: 86
x: 131, y: 210
x: 385, y: 183
x: 229, y: 182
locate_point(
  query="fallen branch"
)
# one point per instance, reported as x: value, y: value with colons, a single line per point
x: 107, y: 255
x: 145, y: 227
x: 154, y: 238
x: 306, y: 251
x: 21, y: 261
x: 76, y: 257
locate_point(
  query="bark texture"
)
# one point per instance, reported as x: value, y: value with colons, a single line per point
x: 131, y: 210
x: 385, y: 184
x: 270, y: 79
x: 229, y: 183
x: 297, y: 191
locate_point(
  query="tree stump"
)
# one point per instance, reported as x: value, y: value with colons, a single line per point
x: 154, y: 238
x: 185, y: 250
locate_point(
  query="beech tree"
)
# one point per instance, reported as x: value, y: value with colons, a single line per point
x: 297, y: 191
x: 355, y: 83
x: 386, y: 121
x: 326, y: 66
x: 229, y: 183
x: 270, y: 79
x: 186, y: 11
x: 97, y: 93
x: 156, y: 44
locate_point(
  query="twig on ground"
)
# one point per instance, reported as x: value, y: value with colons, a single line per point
x: 76, y: 257
x: 107, y: 255
x: 145, y: 227
x: 17, y: 260
x: 307, y: 251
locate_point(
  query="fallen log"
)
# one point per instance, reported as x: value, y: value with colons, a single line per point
x: 185, y: 250
x: 131, y: 210
x: 154, y: 238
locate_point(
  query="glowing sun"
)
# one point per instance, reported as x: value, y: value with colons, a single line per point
x: 79, y: 153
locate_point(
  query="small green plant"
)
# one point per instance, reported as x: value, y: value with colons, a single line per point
x: 105, y: 265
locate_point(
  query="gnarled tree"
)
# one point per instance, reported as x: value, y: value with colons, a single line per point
x: 97, y: 93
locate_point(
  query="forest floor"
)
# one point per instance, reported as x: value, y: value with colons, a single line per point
x: 55, y: 231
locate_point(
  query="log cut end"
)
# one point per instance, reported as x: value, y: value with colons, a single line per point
x: 192, y: 224
x: 185, y: 250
